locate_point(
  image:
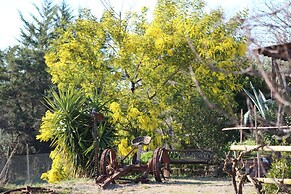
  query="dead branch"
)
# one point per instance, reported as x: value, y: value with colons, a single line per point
x: 237, y: 165
x: 211, y: 105
x: 5, y: 169
x: 270, y: 84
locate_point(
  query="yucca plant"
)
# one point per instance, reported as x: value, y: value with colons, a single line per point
x: 263, y: 106
x: 72, y: 124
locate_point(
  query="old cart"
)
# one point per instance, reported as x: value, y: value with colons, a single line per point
x: 111, y: 169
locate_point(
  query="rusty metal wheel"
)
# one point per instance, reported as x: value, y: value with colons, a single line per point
x: 108, y: 162
x: 161, y: 164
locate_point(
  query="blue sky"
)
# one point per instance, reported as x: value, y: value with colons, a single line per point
x: 10, y: 22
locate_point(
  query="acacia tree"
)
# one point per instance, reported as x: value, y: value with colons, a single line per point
x: 141, y: 68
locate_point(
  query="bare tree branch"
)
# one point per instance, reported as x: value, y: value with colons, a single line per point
x: 211, y: 105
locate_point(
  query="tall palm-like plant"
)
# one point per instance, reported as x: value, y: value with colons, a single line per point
x: 263, y: 105
x: 72, y: 125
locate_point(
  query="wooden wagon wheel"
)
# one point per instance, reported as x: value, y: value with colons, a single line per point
x: 161, y: 164
x: 108, y: 162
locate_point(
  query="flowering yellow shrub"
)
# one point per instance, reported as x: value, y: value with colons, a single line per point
x: 60, y: 169
x: 46, y: 128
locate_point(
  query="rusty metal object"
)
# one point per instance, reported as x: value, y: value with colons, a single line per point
x: 29, y: 189
x: 108, y: 162
x: 97, y: 117
x: 158, y: 166
x: 108, y: 165
x: 161, y: 164
x: 144, y: 140
x: 112, y: 170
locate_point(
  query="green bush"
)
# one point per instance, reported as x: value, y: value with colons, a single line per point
x: 280, y: 168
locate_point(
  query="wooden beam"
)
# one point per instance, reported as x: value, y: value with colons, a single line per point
x: 265, y: 148
x: 253, y: 128
x: 282, y: 51
x: 189, y: 161
x: 275, y: 180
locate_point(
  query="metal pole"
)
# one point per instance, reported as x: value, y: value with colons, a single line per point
x: 95, y: 142
x: 138, y: 154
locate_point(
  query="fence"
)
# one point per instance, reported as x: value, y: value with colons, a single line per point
x: 26, y: 169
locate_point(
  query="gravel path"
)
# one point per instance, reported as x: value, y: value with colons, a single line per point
x: 174, y: 185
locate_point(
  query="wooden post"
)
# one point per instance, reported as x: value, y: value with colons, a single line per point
x: 96, y: 147
x: 257, y: 143
x: 27, y: 164
x: 241, y: 124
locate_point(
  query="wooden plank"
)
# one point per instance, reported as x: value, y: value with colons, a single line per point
x: 189, y: 161
x: 274, y: 181
x: 265, y: 148
x: 254, y: 128
x: 191, y: 150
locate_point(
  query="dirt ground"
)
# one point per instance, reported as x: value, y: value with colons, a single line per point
x: 174, y: 185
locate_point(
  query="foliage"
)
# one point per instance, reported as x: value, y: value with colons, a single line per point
x: 68, y: 124
x: 145, y: 157
x: 142, y: 67
x: 250, y: 141
x: 203, y: 128
x: 266, y: 108
x: 61, y: 169
x: 280, y: 168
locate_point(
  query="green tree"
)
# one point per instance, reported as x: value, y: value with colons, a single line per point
x: 63, y: 18
x: 24, y: 79
x: 14, y: 101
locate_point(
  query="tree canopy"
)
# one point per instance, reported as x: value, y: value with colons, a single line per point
x: 141, y: 67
